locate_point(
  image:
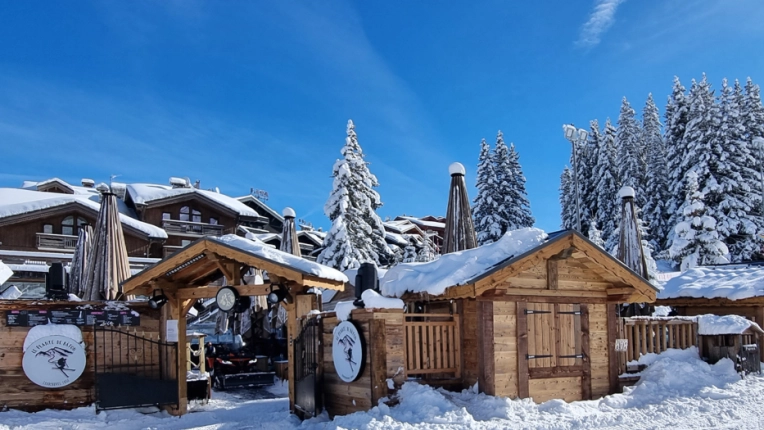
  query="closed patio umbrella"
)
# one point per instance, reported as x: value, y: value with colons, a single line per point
x: 80, y: 260
x: 108, y: 265
x: 289, y: 241
x: 460, y: 232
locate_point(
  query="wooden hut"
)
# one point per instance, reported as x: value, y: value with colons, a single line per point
x: 535, y: 315
x: 732, y: 289
x: 185, y: 276
x: 732, y: 337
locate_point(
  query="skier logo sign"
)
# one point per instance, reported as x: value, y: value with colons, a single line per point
x: 347, y: 351
x: 54, y: 361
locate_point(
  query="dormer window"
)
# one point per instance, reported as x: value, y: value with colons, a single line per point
x: 67, y: 226
x: 196, y: 216
x: 185, y: 212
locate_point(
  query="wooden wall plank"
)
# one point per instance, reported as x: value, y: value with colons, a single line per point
x: 522, y: 351
x: 612, y: 332
x: 486, y: 381
x: 586, y: 380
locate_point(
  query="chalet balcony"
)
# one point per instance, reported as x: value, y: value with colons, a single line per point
x: 168, y: 250
x: 56, y: 242
x: 187, y: 228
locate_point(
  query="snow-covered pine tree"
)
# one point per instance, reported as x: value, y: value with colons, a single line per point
x: 410, y: 253
x: 427, y: 253
x: 520, y: 208
x: 698, y: 139
x: 696, y: 241
x: 379, y: 252
x: 733, y: 166
x: 504, y: 175
x: 356, y: 229
x: 677, y: 112
x: 607, y: 187
x: 630, y: 152
x: 588, y: 162
x: 487, y: 224
x: 595, y: 235
x: 567, y: 200
x: 656, y: 191
x: 753, y: 123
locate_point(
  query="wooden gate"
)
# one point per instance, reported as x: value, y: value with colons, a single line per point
x: 133, y: 371
x: 557, y: 355
x: 307, y: 384
x: 432, y: 345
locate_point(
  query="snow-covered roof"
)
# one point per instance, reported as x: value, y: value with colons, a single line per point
x: 729, y: 324
x: 259, y: 203
x: 733, y: 282
x: 143, y: 194
x: 396, y: 238
x: 15, y: 201
x: 458, y: 268
x: 298, y: 263
x: 76, y: 189
x: 419, y: 222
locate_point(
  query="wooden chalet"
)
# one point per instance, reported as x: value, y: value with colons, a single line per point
x: 187, y: 213
x: 186, y: 276
x: 733, y: 289
x: 48, y: 221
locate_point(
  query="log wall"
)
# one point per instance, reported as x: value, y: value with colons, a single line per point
x: 384, y: 358
x: 19, y: 392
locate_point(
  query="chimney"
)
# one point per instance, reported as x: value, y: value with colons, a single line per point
x: 177, y: 182
x: 87, y: 183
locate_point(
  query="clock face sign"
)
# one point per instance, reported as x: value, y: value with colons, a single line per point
x: 226, y: 298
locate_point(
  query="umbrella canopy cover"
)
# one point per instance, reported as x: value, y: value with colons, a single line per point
x: 80, y: 260
x: 289, y: 241
x: 630, y: 250
x: 108, y: 265
x: 460, y: 232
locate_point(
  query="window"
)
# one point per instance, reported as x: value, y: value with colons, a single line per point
x: 554, y: 335
x: 185, y: 242
x: 213, y: 221
x: 67, y: 226
x: 166, y: 215
x: 184, y: 213
x: 196, y: 216
x: 47, y: 228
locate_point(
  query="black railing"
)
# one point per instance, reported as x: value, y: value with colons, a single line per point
x: 133, y: 371
x: 306, y: 376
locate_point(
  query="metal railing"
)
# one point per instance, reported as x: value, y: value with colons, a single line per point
x: 56, y: 241
x: 188, y: 228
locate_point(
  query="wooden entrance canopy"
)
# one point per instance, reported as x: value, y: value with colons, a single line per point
x: 184, y: 277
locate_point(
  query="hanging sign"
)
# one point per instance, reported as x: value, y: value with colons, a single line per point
x: 54, y: 361
x: 347, y: 351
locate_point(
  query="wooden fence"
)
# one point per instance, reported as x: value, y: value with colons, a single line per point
x: 640, y: 336
x: 433, y: 345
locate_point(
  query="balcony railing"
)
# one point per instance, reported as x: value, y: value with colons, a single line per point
x: 188, y: 228
x: 56, y: 241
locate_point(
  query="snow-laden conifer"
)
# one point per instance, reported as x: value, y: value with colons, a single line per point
x: 485, y: 210
x: 656, y: 183
x: 428, y: 252
x: 696, y: 241
x: 595, y: 235
x: 567, y: 200
x: 410, y: 252
x: 607, y: 187
x: 504, y: 175
x: 589, y: 159
x: 676, y: 117
x: 357, y: 234
x: 516, y: 196
x: 753, y: 124
x: 630, y: 152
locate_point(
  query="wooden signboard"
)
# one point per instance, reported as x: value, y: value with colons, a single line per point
x: 31, y: 318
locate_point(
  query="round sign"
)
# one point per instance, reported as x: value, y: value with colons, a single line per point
x: 54, y: 361
x: 347, y: 351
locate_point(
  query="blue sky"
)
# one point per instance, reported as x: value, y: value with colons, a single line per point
x: 255, y: 94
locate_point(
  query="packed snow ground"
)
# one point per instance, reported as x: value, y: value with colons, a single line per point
x: 676, y: 391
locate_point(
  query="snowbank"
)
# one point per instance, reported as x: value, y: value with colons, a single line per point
x: 458, y: 268
x: 264, y: 251
x: 728, y: 324
x: 343, y: 309
x: 734, y: 282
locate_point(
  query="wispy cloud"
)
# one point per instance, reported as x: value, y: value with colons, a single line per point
x: 600, y: 20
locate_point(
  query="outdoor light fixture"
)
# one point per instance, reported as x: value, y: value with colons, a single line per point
x: 276, y: 296
x: 157, y: 300
x: 570, y: 134
x: 199, y: 305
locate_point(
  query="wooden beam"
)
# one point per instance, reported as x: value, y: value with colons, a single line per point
x: 292, y: 333
x: 586, y: 379
x: 612, y: 355
x: 487, y: 366
x: 559, y: 298
x: 210, y: 291
x: 523, y: 386
x: 552, y: 274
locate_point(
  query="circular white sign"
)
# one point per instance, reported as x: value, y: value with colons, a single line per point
x: 54, y: 361
x: 347, y: 351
